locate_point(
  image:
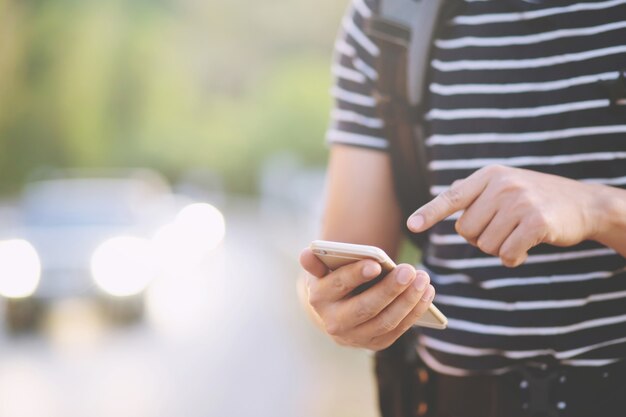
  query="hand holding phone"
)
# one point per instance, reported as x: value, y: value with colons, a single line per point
x: 337, y: 254
x: 374, y: 318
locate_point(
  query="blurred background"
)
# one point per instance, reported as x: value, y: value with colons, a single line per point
x: 161, y: 166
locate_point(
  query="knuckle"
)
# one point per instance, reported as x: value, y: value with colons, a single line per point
x: 428, y: 211
x: 339, y: 284
x: 363, y: 310
x: 465, y: 229
x: 380, y: 344
x: 494, y: 169
x: 511, y: 263
x: 459, y: 226
x: 453, y: 195
x: 508, y: 258
x: 487, y: 246
x: 538, y: 221
x: 412, y: 297
x: 332, y: 327
x: 417, y: 313
x: 343, y: 341
x: 428, y: 296
x: 391, y: 288
x: 506, y: 255
x: 509, y: 183
x: 385, y: 325
x: 315, y: 298
x: 456, y: 183
x: 422, y: 276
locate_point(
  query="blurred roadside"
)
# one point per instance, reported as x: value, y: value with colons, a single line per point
x: 225, y: 339
x: 228, y: 101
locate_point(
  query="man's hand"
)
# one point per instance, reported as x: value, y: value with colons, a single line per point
x: 510, y: 210
x: 375, y: 318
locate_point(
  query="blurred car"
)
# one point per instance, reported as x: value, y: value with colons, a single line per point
x: 86, y: 235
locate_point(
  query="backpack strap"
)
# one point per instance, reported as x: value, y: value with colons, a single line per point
x: 404, y: 31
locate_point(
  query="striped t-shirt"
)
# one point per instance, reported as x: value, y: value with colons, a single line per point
x: 522, y: 84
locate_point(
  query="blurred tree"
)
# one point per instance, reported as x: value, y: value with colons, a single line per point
x: 171, y: 84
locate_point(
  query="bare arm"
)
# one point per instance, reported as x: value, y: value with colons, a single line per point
x: 361, y: 206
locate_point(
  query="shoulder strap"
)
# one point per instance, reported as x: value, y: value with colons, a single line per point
x: 420, y: 17
x: 404, y: 31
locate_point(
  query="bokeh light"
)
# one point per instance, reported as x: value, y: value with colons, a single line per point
x: 124, y: 265
x: 183, y: 244
x: 20, y: 268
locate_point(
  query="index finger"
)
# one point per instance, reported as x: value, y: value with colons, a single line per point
x: 459, y: 196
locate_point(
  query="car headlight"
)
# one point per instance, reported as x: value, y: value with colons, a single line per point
x: 197, y: 230
x: 123, y: 266
x: 20, y: 268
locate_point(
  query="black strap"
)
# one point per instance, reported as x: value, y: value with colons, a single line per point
x: 403, y: 120
x: 400, y: 393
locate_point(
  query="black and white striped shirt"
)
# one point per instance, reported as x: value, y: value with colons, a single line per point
x: 517, y: 83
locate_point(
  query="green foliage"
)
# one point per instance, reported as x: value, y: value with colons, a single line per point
x: 167, y: 84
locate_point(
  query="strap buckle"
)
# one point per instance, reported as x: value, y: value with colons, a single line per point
x: 536, y: 385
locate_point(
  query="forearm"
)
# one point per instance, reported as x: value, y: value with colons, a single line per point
x: 611, y: 216
x: 361, y: 206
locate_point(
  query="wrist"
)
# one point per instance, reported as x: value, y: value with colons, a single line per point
x: 608, y: 213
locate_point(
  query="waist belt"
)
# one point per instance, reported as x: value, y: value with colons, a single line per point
x: 408, y: 388
x: 533, y: 389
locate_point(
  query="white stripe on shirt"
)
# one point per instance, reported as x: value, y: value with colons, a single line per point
x: 532, y: 259
x: 449, y: 279
x: 552, y: 279
x: 345, y: 48
x: 361, y: 38
x: 354, y: 98
x: 437, y: 366
x: 508, y: 88
x: 347, y: 74
x: 497, y: 64
x: 338, y: 136
x: 468, y: 326
x: 353, y: 117
x: 367, y: 70
x: 457, y: 114
x: 444, y: 164
x: 525, y: 136
x: 527, y: 39
x: 534, y: 14
x: 362, y: 8
x: 591, y: 362
x: 456, y: 349
x: 451, y: 239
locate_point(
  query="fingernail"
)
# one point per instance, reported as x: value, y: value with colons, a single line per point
x: 370, y: 270
x: 420, y: 282
x: 416, y: 221
x: 404, y: 276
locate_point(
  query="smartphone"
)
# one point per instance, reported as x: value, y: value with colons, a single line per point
x: 337, y: 254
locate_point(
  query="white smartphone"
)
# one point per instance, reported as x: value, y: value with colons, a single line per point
x: 337, y: 254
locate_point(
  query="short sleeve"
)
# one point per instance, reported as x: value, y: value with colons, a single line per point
x: 353, y: 118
